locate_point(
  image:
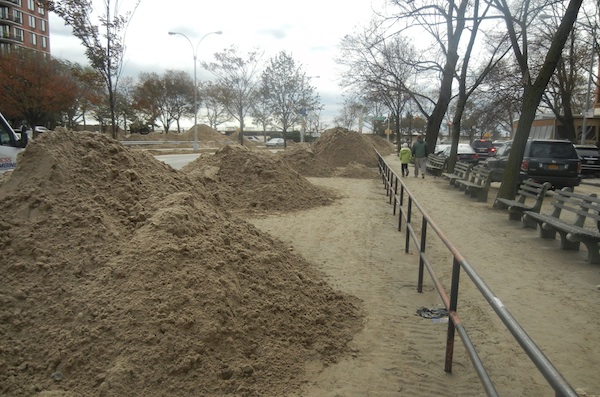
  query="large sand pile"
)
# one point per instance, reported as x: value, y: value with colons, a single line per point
x: 123, y: 277
x: 242, y: 179
x: 303, y: 159
x: 341, y: 147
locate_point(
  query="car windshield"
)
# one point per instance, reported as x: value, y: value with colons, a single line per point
x: 555, y: 150
x: 480, y: 144
x: 588, y: 151
x: 503, y: 150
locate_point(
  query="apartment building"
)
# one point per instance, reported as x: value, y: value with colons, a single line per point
x: 23, y: 23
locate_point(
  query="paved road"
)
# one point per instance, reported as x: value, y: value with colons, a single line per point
x: 177, y: 161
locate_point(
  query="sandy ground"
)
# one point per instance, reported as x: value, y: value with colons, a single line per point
x: 553, y: 294
x: 125, y: 277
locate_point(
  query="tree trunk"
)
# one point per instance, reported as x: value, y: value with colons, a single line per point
x: 532, y: 96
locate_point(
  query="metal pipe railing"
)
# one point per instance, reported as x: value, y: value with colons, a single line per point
x: 551, y: 374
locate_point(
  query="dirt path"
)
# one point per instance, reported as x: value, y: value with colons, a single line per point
x: 553, y: 294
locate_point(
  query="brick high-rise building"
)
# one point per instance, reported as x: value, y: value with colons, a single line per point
x: 23, y: 23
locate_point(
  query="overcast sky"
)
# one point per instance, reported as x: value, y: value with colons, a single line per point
x: 310, y: 30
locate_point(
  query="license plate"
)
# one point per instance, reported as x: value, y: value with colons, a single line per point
x: 553, y: 167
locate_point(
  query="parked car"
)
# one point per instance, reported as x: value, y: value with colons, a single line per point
x: 590, y: 159
x: 253, y: 138
x: 464, y: 152
x: 40, y: 129
x: 544, y: 160
x: 497, y: 162
x: 275, y: 142
x: 483, y: 147
x: 440, y: 148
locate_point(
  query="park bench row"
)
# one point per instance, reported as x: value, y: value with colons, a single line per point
x: 474, y: 181
x: 575, y: 217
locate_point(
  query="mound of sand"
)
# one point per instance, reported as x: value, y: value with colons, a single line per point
x: 336, y: 149
x: 358, y: 171
x: 341, y: 147
x: 246, y: 180
x: 306, y: 162
x: 124, y: 277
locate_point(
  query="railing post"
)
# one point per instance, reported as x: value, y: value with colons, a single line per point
x: 421, y: 252
x: 452, y: 309
x: 408, y: 219
x: 400, y: 203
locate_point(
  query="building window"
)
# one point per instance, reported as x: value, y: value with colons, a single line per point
x: 4, y: 14
x: 18, y: 16
x: 4, y: 48
x: 41, y: 10
x: 18, y: 34
x: 43, y: 25
x: 44, y: 42
x: 31, y: 4
x: 4, y: 31
x: 32, y: 21
x: 33, y: 39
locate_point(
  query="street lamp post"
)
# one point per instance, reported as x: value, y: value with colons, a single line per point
x: 194, y: 52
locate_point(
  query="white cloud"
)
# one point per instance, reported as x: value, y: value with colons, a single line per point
x: 310, y: 30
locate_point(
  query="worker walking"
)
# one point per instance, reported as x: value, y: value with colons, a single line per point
x: 419, y: 151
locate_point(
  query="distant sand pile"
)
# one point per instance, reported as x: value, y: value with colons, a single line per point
x: 338, y: 148
x: 303, y: 159
x: 248, y: 180
x: 124, y: 277
x: 341, y: 147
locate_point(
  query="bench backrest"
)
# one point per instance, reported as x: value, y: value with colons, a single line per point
x: 480, y: 175
x: 462, y: 169
x: 435, y: 159
x: 531, y: 189
x: 582, y: 206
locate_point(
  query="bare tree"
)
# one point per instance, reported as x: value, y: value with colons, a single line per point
x: 104, y: 49
x: 287, y: 92
x: 379, y: 70
x: 445, y: 21
x: 168, y: 97
x: 262, y: 113
x: 238, y: 78
x: 533, y: 88
x: 566, y: 89
x: 215, y: 112
x: 90, y: 89
x: 351, y: 114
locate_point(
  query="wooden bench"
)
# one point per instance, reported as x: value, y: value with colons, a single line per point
x: 461, y: 171
x: 530, y: 197
x: 477, y: 184
x: 435, y: 164
x: 568, y: 218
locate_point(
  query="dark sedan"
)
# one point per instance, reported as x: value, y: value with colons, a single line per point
x: 464, y: 153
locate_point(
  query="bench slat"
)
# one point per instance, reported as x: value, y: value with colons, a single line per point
x: 571, y: 233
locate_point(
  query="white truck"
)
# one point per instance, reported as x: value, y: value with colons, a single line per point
x: 10, y: 146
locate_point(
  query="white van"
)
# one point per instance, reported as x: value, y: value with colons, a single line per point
x: 10, y: 146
